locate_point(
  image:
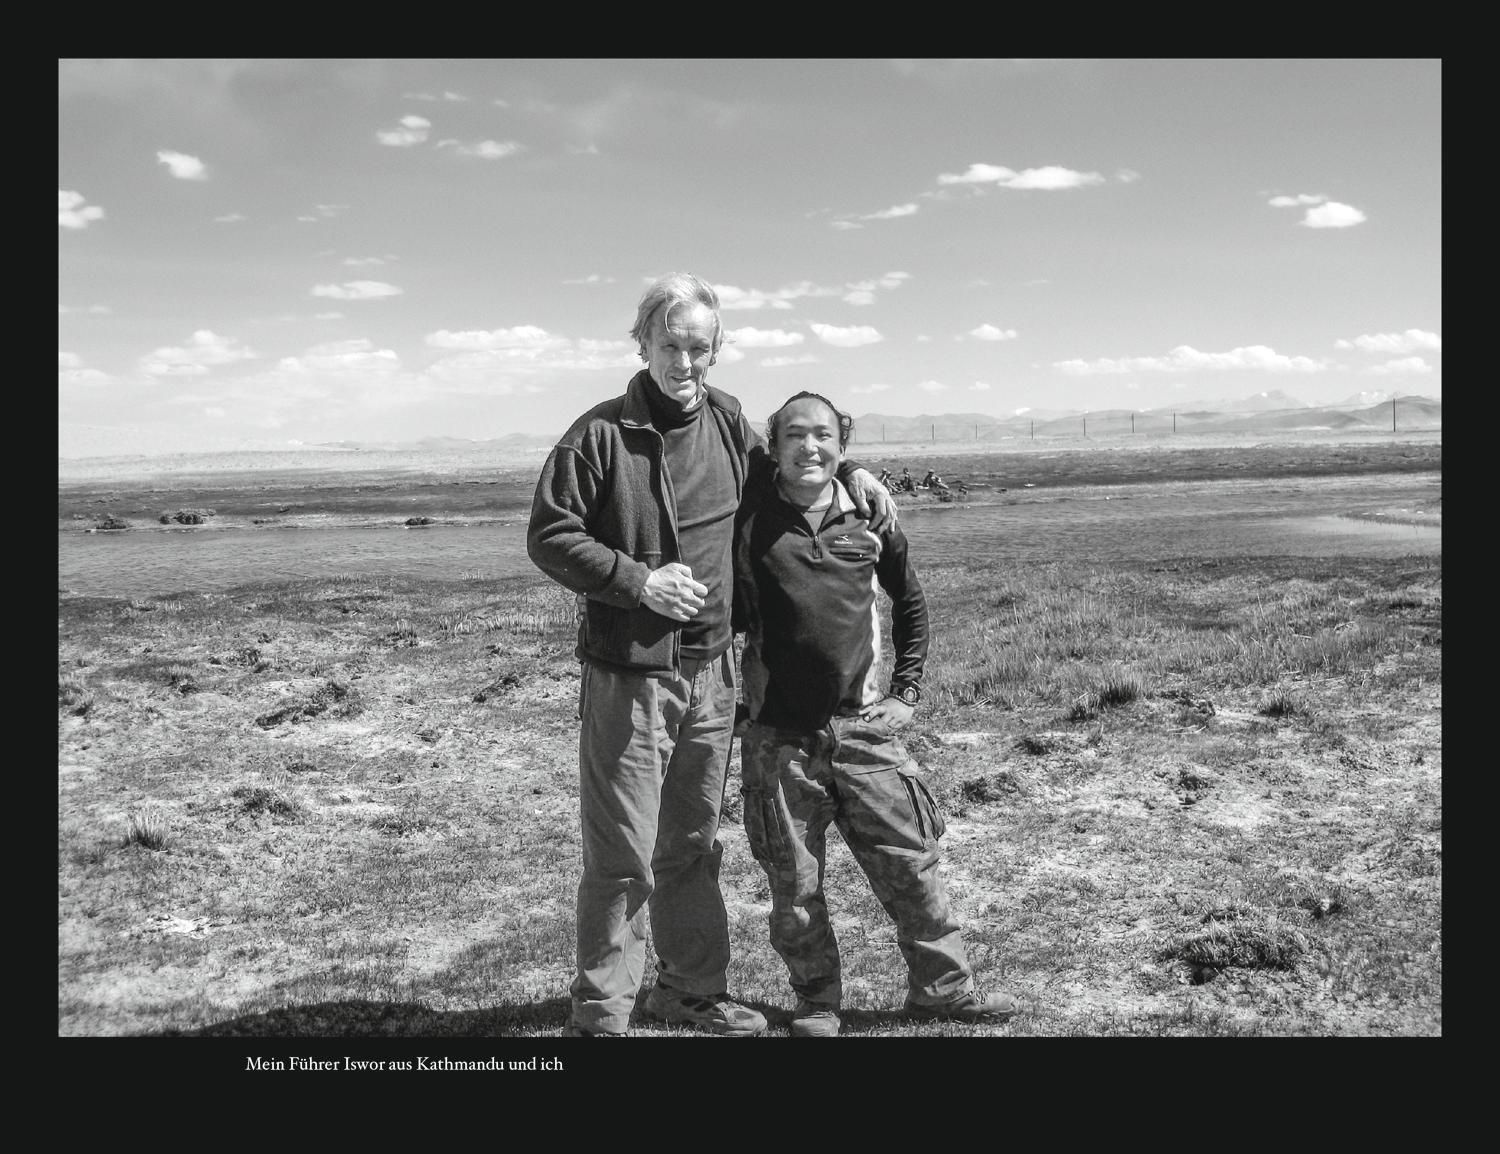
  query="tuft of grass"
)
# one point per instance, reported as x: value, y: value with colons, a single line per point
x: 147, y: 827
x: 275, y: 800
x: 1280, y: 704
x: 74, y: 695
x: 1238, y: 935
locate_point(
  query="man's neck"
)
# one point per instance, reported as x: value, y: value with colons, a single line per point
x: 806, y: 496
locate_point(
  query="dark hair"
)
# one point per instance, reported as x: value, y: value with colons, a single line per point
x: 845, y: 421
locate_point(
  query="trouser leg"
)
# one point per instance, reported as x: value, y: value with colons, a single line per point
x: 623, y: 745
x: 689, y: 925
x: 787, y: 812
x: 892, y: 825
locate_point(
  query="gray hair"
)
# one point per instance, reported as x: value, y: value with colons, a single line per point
x: 665, y: 293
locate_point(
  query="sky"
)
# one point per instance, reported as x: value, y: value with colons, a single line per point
x: 267, y: 254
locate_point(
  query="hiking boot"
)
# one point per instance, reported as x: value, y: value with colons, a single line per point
x: 975, y: 1007
x: 717, y: 1014
x: 814, y: 1020
x: 572, y: 1031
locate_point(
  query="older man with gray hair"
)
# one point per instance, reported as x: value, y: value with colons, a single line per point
x: 634, y: 512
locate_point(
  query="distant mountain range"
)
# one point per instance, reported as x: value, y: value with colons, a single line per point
x: 1263, y: 413
x: 1273, y: 412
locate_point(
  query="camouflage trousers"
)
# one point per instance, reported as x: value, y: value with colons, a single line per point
x: 858, y: 776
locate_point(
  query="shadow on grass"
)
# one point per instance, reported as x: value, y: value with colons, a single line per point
x: 390, y: 1020
x: 363, y: 1019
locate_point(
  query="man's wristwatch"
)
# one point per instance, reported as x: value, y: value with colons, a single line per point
x: 907, y: 693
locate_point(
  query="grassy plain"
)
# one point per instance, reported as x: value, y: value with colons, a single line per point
x: 1186, y: 796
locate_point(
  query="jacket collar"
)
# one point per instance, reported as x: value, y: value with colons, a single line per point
x: 637, y: 410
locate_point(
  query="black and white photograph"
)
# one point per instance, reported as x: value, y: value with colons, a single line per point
x: 746, y: 548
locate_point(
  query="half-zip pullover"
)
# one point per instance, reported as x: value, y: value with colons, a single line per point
x: 807, y: 603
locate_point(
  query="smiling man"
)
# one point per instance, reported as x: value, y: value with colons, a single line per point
x: 820, y: 743
x: 634, y: 511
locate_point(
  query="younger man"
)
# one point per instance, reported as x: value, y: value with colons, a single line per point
x: 820, y: 745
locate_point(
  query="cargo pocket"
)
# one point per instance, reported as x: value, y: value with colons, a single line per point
x: 792, y: 872
x: 763, y: 827
x: 924, y: 806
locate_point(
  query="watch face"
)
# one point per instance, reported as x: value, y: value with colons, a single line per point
x: 910, y: 695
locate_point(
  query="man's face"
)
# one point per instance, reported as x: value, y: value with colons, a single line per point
x: 807, y: 445
x: 679, y: 352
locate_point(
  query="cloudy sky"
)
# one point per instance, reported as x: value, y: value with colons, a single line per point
x: 265, y: 253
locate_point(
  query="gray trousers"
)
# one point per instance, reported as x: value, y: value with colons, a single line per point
x: 653, y: 756
x: 859, y: 776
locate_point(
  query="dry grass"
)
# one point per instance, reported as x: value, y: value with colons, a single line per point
x: 1196, y: 801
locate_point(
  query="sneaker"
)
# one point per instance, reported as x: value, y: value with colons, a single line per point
x: 974, y: 1006
x: 719, y: 1014
x: 572, y: 1031
x: 814, y: 1020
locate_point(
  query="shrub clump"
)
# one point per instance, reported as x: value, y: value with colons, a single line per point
x: 186, y: 517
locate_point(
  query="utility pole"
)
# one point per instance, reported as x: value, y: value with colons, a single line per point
x: 1132, y: 424
x: 1085, y: 428
x: 1174, y: 422
x: 1393, y: 414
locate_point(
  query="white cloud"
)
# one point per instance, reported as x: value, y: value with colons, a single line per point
x: 863, y: 292
x: 1407, y: 366
x: 869, y: 388
x: 1324, y: 213
x: 362, y: 261
x: 342, y: 357
x: 452, y: 97
x: 988, y: 332
x: 751, y: 338
x: 412, y: 130
x: 73, y: 213
x: 356, y: 290
x: 846, y: 338
x: 1049, y: 177
x: 932, y: 386
x: 69, y: 360
x: 1127, y: 176
x: 485, y: 149
x: 230, y: 218
x: 592, y: 278
x: 896, y: 210
x: 979, y: 387
x: 528, y: 337
x: 203, y: 350
x: 784, y: 362
x: 1185, y: 359
x: 1333, y: 215
x: 333, y: 316
x: 182, y: 166
x: 855, y: 292
x: 92, y: 310
x: 1409, y: 341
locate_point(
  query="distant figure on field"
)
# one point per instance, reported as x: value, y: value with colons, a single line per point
x: 819, y: 742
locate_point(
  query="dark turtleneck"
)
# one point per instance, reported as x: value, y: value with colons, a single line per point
x: 697, y: 462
